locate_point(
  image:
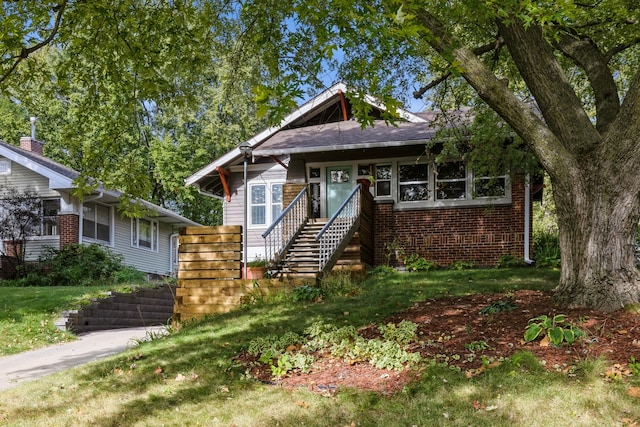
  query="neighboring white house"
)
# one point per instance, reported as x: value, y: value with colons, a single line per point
x: 148, y: 244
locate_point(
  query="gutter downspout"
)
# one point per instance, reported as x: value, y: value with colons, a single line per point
x: 527, y: 219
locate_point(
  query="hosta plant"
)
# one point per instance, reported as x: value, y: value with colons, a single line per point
x: 556, y: 328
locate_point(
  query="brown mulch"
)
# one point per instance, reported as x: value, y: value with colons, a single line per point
x: 446, y: 325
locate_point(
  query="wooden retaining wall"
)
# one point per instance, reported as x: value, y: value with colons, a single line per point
x: 210, y: 273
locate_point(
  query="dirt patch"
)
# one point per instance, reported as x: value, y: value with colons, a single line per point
x: 453, y: 330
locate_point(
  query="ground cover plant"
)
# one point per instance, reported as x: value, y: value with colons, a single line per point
x: 476, y: 367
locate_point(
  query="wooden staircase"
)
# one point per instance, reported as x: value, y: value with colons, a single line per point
x: 302, y: 258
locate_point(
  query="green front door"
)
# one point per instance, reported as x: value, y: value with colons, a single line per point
x: 339, y: 186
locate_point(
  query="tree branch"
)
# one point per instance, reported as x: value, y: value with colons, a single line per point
x: 586, y: 55
x: 547, y: 81
x: 520, y: 116
x: 25, y: 52
x: 477, y: 51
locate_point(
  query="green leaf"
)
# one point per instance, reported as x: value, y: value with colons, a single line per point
x: 559, y: 318
x: 532, y: 332
x: 556, y: 335
x: 569, y: 336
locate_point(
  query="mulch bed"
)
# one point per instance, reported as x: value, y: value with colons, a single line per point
x: 448, y: 327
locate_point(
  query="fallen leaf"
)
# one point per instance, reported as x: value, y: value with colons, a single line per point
x: 623, y: 331
x: 180, y: 377
x: 545, y: 341
x: 302, y: 404
x: 634, y: 391
x: 224, y: 389
x: 158, y: 370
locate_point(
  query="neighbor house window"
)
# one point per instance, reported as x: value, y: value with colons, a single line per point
x: 50, y: 208
x: 451, y: 181
x: 96, y: 222
x: 144, y: 234
x: 413, y: 182
x: 5, y: 167
x: 266, y: 203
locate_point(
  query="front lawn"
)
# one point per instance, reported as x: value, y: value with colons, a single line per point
x: 197, y: 375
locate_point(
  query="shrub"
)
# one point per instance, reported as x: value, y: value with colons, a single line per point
x: 84, y: 265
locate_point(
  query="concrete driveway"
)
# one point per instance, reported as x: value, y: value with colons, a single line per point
x: 90, y: 346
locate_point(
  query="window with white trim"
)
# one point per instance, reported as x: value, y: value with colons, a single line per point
x: 383, y: 180
x: 49, y: 215
x: 451, y: 181
x: 265, y: 203
x: 5, y: 167
x: 489, y: 186
x: 413, y: 182
x: 144, y: 234
x: 97, y: 222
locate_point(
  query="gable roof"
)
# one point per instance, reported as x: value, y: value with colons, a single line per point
x: 61, y: 178
x: 319, y: 113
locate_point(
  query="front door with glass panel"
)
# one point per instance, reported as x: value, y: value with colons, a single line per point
x: 339, y: 186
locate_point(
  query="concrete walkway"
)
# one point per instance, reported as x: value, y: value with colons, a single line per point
x: 90, y: 346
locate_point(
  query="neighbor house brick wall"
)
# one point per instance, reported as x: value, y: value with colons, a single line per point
x: 69, y: 226
x: 477, y: 234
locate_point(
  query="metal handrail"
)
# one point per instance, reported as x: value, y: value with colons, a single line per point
x: 281, y: 233
x: 339, y: 225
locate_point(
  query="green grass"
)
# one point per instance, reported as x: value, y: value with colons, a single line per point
x: 27, y: 314
x: 190, y: 378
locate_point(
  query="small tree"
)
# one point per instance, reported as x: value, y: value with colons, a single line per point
x: 19, y: 219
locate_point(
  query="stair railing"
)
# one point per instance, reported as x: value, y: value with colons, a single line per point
x: 279, y: 236
x: 340, y: 225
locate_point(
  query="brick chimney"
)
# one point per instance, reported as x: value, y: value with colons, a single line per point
x: 30, y: 143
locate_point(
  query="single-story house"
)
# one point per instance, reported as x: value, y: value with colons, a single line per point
x: 148, y: 244
x: 441, y: 212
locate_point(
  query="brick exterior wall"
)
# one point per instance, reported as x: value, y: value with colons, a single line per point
x: 69, y: 226
x: 477, y: 234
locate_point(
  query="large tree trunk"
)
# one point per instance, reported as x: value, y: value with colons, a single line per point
x: 597, y: 220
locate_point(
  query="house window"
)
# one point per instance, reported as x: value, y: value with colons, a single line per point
x: 50, y: 208
x: 383, y: 180
x: 266, y: 203
x: 413, y: 182
x: 451, y: 181
x: 490, y: 186
x: 5, y: 167
x: 276, y: 201
x: 144, y: 234
x: 96, y: 222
